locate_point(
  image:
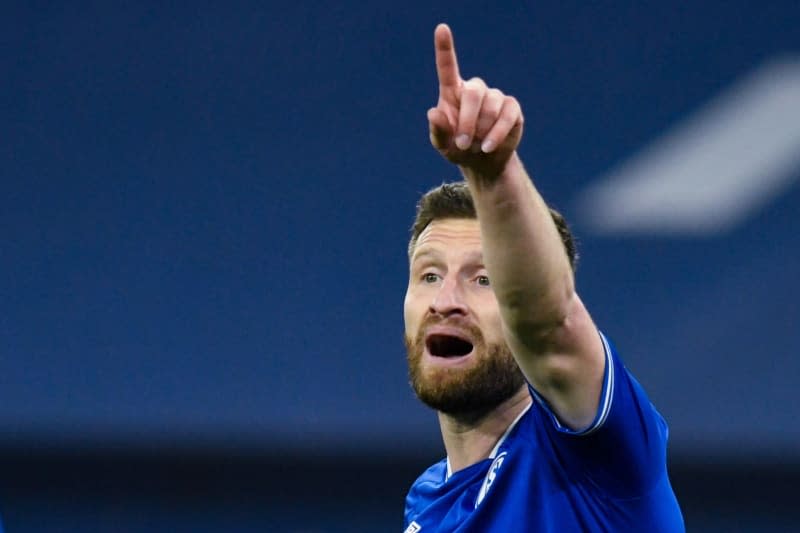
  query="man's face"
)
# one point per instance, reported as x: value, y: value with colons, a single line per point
x: 459, y: 362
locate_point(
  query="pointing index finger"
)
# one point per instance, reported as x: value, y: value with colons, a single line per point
x: 446, y: 63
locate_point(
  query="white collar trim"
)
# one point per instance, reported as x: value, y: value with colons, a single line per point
x: 500, y: 442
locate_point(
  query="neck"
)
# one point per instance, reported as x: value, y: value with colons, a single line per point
x: 469, y: 439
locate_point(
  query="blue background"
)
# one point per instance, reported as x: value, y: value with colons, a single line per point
x: 204, y: 212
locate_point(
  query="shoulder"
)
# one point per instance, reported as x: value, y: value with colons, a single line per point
x: 433, y: 476
x: 624, y: 449
x: 424, y: 488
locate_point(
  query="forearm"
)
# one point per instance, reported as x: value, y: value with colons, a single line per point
x: 548, y: 329
x: 523, y: 252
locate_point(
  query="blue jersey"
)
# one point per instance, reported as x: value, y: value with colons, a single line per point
x: 544, y: 477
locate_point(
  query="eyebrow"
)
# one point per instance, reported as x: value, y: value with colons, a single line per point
x: 426, y: 253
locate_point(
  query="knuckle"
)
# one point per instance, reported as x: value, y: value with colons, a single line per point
x: 470, y: 93
x: 511, y: 108
x: 494, y: 102
x: 475, y: 86
x: 496, y: 94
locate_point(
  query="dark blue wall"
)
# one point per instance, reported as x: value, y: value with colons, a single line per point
x: 204, y: 211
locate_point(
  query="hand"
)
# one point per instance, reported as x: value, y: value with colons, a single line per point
x: 472, y: 125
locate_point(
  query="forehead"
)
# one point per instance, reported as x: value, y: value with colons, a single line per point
x: 449, y: 233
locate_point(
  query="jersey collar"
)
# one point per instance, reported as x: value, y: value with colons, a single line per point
x: 500, y: 442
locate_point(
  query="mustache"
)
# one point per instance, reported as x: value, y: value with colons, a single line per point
x: 431, y: 319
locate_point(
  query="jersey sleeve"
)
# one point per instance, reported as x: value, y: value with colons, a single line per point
x: 623, y: 450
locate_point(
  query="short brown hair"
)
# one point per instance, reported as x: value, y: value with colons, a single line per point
x: 453, y: 200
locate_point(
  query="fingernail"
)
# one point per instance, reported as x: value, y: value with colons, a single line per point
x: 462, y: 141
x: 487, y: 146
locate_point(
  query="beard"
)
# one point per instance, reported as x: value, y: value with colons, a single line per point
x: 469, y: 392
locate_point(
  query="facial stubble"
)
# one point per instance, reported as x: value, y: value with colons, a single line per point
x: 493, y: 377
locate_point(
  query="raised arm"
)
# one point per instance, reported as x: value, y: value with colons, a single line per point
x: 546, y: 325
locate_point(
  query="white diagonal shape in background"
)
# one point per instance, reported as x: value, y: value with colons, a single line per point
x: 711, y: 172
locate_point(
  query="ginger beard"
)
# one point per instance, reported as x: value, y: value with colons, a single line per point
x: 492, y: 378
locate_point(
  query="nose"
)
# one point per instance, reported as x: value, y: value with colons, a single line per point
x: 449, y: 298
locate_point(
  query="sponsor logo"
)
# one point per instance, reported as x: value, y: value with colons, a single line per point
x: 413, y: 527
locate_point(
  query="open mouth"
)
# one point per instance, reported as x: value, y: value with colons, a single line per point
x: 447, y: 346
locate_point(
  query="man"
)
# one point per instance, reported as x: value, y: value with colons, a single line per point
x: 544, y: 428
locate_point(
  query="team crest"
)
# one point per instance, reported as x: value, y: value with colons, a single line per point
x: 489, y: 479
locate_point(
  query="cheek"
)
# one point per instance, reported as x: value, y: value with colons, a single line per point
x: 410, y: 314
x: 493, y: 332
x: 492, y: 322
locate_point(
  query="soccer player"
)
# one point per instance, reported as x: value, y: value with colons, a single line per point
x: 544, y: 428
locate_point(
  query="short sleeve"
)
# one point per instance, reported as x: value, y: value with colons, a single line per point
x: 623, y: 450
x: 604, y: 405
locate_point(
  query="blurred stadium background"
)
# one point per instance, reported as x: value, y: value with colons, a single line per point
x: 203, y: 217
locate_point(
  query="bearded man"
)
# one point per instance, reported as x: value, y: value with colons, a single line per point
x: 543, y: 426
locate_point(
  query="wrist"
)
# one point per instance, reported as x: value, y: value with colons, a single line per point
x: 486, y: 177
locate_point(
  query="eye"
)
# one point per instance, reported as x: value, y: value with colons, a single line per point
x: 483, y: 281
x: 430, y: 277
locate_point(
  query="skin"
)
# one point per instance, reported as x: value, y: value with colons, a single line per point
x: 449, y: 278
x: 531, y: 304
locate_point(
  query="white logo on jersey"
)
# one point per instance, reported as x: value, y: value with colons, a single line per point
x: 489, y: 479
x: 413, y: 527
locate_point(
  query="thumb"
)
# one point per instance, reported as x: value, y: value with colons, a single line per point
x: 439, y: 128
